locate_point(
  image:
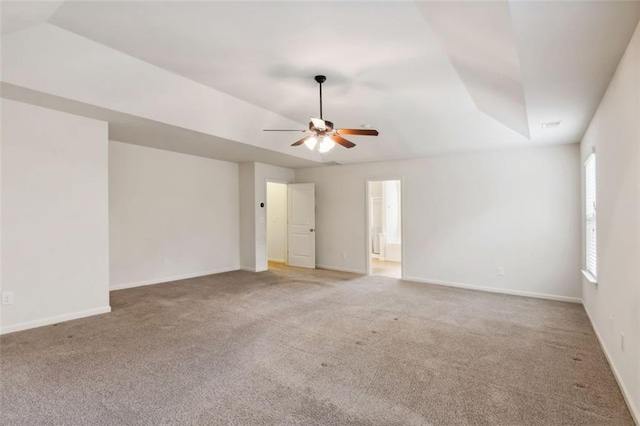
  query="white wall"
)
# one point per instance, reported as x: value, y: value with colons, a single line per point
x: 613, y: 303
x: 276, y: 222
x: 55, y: 247
x: 463, y: 217
x: 253, y: 191
x: 247, y: 174
x: 171, y: 215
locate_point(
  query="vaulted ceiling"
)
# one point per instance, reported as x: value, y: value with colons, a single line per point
x: 432, y: 77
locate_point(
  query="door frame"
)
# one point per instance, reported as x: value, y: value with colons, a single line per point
x: 266, y: 222
x: 367, y: 221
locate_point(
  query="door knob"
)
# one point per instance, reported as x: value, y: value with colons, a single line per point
x: 311, y: 230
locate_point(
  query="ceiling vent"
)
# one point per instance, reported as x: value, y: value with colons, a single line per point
x: 551, y: 124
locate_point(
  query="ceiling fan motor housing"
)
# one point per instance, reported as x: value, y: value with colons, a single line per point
x: 328, y: 127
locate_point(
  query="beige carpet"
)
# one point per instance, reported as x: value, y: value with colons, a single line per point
x: 290, y: 346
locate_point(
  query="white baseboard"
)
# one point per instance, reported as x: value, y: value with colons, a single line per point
x: 54, y: 320
x: 169, y: 279
x: 496, y: 290
x: 635, y: 411
x: 340, y: 269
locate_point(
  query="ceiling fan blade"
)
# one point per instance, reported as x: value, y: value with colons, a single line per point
x: 282, y: 130
x: 342, y: 141
x: 361, y: 132
x: 300, y: 142
x: 319, y: 123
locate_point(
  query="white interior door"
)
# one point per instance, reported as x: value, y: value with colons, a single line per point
x: 301, y: 229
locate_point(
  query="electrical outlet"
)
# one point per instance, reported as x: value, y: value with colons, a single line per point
x: 500, y: 271
x: 165, y: 261
x: 344, y: 255
x: 7, y: 298
x: 622, y: 341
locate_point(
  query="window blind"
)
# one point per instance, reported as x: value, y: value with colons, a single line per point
x: 590, y: 210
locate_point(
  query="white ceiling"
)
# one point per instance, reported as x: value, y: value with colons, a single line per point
x: 433, y: 77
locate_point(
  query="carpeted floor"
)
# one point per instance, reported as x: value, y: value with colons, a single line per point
x: 301, y: 347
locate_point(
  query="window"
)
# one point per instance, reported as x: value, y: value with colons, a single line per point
x: 590, y: 212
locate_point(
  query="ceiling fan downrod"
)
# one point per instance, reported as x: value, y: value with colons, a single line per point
x: 320, y: 79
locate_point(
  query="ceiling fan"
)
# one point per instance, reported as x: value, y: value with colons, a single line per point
x: 321, y: 133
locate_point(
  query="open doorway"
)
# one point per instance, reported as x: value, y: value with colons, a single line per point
x: 276, y: 224
x: 384, y: 214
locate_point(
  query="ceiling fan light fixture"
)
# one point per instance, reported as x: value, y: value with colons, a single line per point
x: 311, y: 142
x: 326, y: 145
